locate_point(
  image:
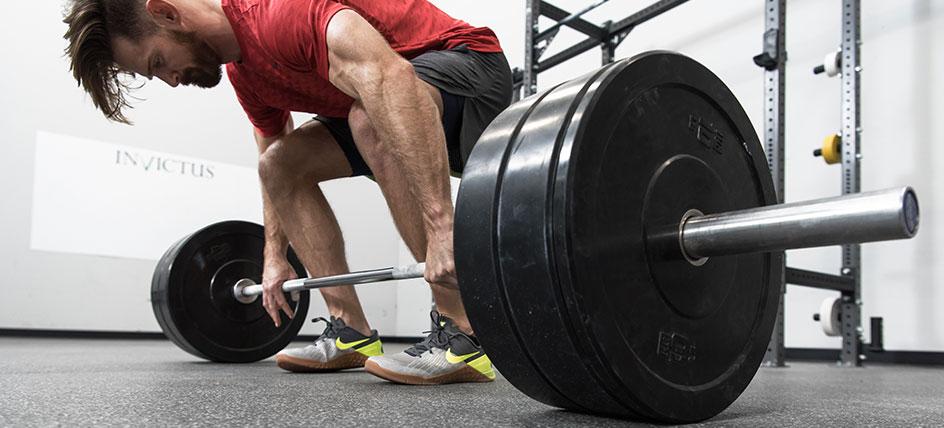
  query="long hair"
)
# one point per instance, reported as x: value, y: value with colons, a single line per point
x: 92, y: 26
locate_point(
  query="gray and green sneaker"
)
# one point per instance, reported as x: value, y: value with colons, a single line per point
x: 339, y: 347
x: 447, y: 355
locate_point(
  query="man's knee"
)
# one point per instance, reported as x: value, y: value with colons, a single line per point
x: 285, y: 161
x: 307, y: 156
x: 273, y: 163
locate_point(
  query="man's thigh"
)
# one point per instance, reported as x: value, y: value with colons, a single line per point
x: 311, y: 149
x: 480, y: 84
x: 450, y: 107
x: 469, y: 88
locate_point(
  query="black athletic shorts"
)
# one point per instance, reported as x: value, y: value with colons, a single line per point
x: 475, y: 88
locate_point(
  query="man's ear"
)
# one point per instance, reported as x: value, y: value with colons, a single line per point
x: 164, y: 13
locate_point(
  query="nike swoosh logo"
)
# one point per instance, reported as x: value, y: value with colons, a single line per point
x: 345, y: 346
x: 453, y: 358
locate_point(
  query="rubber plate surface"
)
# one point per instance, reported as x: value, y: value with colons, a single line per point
x: 557, y: 208
x: 192, y: 295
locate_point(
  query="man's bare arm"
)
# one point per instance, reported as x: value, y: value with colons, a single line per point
x: 364, y: 66
x: 276, y: 268
x: 276, y: 241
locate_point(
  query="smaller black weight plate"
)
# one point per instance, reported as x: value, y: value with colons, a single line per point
x: 192, y: 295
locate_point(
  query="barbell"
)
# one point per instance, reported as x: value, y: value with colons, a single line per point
x: 617, y: 245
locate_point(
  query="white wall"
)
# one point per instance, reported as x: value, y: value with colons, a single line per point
x: 901, y: 97
x: 57, y: 290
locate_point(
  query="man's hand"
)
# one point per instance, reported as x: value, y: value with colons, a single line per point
x: 440, y: 262
x: 274, y: 274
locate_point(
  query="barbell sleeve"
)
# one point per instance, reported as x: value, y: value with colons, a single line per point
x: 851, y: 219
x: 863, y: 217
x: 353, y: 278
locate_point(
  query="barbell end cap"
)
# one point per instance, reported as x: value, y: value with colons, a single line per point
x: 816, y: 317
x: 819, y: 69
x: 818, y: 152
x: 910, y: 211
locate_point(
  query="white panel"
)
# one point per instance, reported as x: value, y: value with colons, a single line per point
x: 104, y: 199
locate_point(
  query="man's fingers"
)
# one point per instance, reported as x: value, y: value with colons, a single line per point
x: 288, y: 310
x: 442, y: 278
x: 272, y: 310
x: 274, y: 314
x: 280, y: 301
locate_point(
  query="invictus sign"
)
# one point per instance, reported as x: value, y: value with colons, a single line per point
x: 164, y: 165
x: 101, y: 209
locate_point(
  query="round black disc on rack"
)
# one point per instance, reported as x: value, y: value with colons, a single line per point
x: 192, y: 295
x: 565, y: 208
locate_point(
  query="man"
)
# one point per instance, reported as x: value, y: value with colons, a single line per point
x: 402, y: 91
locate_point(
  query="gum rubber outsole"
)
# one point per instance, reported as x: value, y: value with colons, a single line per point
x: 464, y: 375
x: 300, y: 365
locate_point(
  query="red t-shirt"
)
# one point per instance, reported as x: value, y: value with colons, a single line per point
x: 284, y: 64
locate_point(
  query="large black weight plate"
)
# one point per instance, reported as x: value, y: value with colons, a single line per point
x: 192, y: 295
x: 558, y: 202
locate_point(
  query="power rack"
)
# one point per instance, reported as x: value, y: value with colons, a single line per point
x: 849, y: 282
x: 773, y: 59
x: 608, y: 36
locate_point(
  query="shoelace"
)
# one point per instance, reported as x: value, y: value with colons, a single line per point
x: 331, y: 329
x: 438, y: 337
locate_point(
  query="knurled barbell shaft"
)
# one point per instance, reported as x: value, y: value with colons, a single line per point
x: 353, y: 278
x: 863, y: 217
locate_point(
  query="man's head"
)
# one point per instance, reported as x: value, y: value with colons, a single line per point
x: 111, y: 41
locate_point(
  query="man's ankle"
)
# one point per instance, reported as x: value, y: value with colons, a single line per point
x: 360, y: 326
x: 461, y: 322
x: 363, y: 329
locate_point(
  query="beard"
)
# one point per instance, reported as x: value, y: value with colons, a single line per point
x: 207, y: 70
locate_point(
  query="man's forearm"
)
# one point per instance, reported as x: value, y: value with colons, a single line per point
x: 276, y: 242
x: 402, y: 112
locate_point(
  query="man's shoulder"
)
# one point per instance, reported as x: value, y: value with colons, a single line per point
x: 250, y: 17
x: 240, y: 6
x: 276, y: 13
x: 286, y: 29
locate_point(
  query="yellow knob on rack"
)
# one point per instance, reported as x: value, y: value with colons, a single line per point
x: 831, y: 150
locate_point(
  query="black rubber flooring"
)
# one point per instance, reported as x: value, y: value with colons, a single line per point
x: 85, y: 382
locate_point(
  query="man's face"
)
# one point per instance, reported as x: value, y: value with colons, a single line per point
x: 177, y: 58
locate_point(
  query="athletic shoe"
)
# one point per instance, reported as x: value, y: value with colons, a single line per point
x: 339, y: 347
x: 447, y: 355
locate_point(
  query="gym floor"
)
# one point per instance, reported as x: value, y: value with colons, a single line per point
x: 83, y: 382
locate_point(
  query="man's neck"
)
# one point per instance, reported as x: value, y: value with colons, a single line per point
x: 216, y: 29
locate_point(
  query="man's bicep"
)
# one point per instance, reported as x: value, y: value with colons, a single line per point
x: 358, y: 55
